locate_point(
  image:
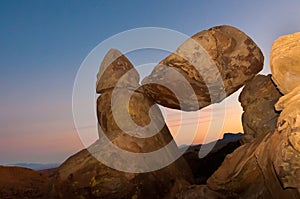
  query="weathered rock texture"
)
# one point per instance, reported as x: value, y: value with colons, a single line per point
x: 258, y: 98
x: 285, y: 62
x: 287, y: 160
x: 215, y: 62
x: 268, y: 167
x: 199, y: 192
x: 84, y: 176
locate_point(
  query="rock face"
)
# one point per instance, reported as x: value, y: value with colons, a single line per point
x: 285, y: 62
x: 287, y: 161
x: 214, y: 62
x: 16, y: 182
x: 83, y: 176
x: 258, y: 98
x: 199, y: 192
x: 268, y: 166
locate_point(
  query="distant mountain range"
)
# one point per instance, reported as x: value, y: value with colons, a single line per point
x: 35, y: 166
x: 227, y: 137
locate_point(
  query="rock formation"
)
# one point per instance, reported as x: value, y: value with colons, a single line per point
x: 215, y: 62
x: 287, y: 160
x: 285, y: 62
x: 131, y: 127
x: 268, y: 166
x: 258, y: 98
x: 83, y: 175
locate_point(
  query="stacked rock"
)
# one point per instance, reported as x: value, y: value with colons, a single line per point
x: 214, y: 62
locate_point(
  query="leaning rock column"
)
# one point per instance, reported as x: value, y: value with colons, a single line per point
x: 215, y: 62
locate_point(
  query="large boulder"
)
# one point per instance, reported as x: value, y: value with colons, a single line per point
x: 258, y: 98
x: 285, y: 62
x: 214, y: 62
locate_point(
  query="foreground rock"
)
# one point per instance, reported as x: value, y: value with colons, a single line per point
x: 287, y: 160
x: 84, y: 176
x: 285, y: 62
x: 215, y: 62
x: 199, y: 192
x: 17, y: 182
x: 258, y: 98
x: 268, y: 167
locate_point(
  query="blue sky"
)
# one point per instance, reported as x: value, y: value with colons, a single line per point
x: 43, y: 44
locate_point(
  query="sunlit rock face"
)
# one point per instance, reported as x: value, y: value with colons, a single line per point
x: 258, y: 98
x: 131, y: 122
x: 214, y: 62
x: 285, y: 62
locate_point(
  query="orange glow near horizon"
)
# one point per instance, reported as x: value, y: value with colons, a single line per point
x: 207, y: 124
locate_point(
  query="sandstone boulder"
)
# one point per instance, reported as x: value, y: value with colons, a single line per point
x: 214, y: 63
x: 258, y: 98
x: 285, y: 62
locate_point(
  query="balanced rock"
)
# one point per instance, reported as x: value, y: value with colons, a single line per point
x: 258, y: 98
x: 205, y: 69
x: 131, y: 129
x: 285, y: 62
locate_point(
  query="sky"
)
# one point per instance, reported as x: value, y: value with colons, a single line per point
x: 43, y: 44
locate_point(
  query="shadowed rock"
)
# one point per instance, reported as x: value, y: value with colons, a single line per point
x: 268, y: 167
x: 199, y: 192
x: 258, y: 98
x: 215, y: 62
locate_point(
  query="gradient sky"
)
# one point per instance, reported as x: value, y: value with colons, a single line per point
x: 43, y: 44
